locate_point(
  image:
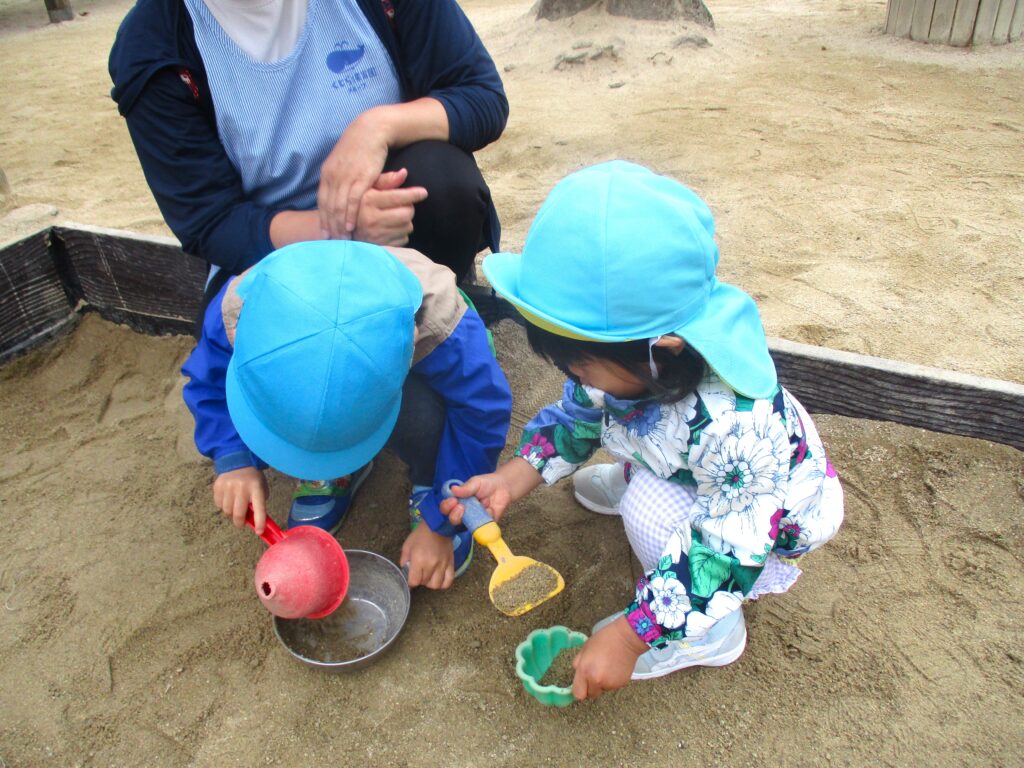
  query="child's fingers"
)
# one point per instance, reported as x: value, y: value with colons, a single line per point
x: 259, y: 511
x: 579, y: 686
x: 239, y: 508
x: 441, y: 577
x: 391, y: 179
x: 468, y: 488
x: 413, y: 570
x: 449, y: 575
x: 453, y: 510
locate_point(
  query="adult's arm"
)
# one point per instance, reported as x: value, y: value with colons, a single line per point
x: 197, y: 189
x: 442, y: 57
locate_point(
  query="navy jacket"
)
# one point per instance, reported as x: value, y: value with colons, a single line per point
x: 160, y: 88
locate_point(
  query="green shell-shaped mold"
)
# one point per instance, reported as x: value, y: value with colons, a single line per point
x: 534, y: 657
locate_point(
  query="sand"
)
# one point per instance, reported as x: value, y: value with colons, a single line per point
x: 869, y: 194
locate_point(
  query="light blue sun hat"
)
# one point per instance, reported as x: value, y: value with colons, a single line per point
x: 618, y: 253
x: 323, y: 346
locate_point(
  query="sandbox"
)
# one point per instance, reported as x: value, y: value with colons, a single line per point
x: 132, y: 635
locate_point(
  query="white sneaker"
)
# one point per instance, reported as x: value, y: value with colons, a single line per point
x: 600, y: 487
x: 722, y: 645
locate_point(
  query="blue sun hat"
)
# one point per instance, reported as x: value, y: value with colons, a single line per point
x: 323, y: 346
x: 619, y: 253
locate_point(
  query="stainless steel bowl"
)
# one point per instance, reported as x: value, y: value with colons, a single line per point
x: 362, y: 628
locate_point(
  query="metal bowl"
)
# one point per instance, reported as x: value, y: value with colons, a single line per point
x: 362, y: 628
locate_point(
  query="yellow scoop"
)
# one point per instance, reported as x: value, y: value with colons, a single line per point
x: 518, y: 584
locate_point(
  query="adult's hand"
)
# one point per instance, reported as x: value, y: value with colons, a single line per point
x: 352, y: 167
x: 387, y: 209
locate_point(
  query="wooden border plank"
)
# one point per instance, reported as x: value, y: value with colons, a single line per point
x: 864, y: 387
x: 34, y: 304
x: 892, y: 11
x: 59, y: 10
x: 148, y: 283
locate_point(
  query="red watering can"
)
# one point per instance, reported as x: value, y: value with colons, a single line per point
x: 304, y: 572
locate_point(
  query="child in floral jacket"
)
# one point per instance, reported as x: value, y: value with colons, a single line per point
x: 728, y: 481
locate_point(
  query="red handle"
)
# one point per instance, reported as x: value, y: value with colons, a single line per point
x: 271, y: 534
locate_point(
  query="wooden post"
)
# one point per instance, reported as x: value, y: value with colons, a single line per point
x: 956, y: 22
x: 901, y: 17
x: 1017, y: 22
x: 1001, y: 32
x: 59, y: 10
x: 963, y: 23
x: 985, y: 21
x: 942, y: 22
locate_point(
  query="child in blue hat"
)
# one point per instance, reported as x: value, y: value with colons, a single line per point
x: 669, y: 370
x: 326, y: 352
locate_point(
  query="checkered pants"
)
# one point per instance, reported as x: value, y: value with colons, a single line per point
x: 652, y: 509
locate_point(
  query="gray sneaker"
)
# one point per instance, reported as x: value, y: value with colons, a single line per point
x: 722, y: 645
x: 600, y: 487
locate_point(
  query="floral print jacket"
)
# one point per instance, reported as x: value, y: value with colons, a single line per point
x: 759, y: 470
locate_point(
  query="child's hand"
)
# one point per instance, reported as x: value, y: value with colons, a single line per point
x: 429, y: 557
x: 606, y: 660
x: 492, y: 490
x: 234, y: 491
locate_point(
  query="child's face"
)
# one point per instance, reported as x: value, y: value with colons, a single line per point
x: 608, y: 377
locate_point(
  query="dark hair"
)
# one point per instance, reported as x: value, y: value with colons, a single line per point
x: 678, y: 375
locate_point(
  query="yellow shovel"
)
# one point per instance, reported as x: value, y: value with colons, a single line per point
x: 518, y: 584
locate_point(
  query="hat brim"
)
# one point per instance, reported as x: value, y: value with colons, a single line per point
x: 739, y: 355
x: 292, y: 460
x: 502, y: 272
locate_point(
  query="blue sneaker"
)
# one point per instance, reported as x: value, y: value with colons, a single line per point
x: 462, y: 542
x: 325, y: 503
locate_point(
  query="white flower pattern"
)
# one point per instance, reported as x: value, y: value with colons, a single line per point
x: 742, y: 475
x: 663, y: 449
x: 669, y: 601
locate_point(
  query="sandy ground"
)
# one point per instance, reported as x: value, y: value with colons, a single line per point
x: 869, y: 194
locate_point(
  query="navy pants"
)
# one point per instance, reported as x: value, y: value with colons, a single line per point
x: 450, y: 226
x: 417, y: 433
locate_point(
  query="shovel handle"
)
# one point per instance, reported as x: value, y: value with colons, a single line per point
x: 271, y: 533
x: 475, y: 514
